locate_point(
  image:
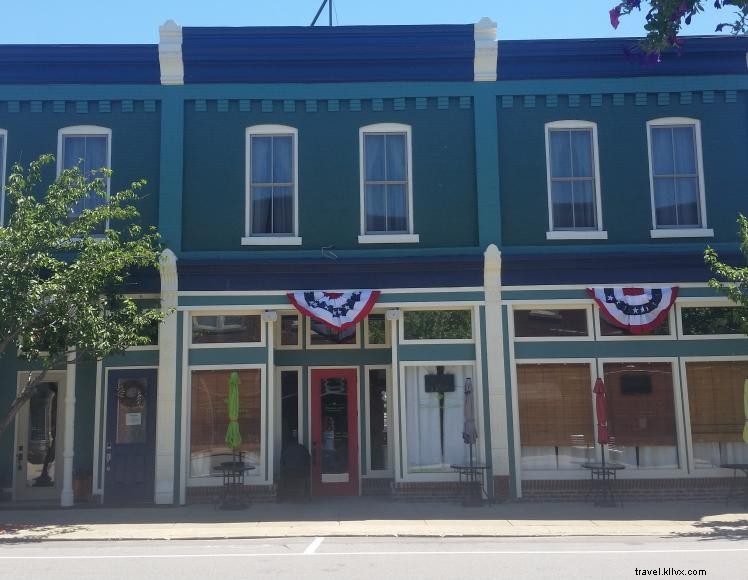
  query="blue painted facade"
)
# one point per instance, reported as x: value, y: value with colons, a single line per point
x: 478, y: 177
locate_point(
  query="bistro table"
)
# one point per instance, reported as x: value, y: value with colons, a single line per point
x: 471, y: 483
x: 232, y: 496
x: 743, y: 467
x: 602, y: 483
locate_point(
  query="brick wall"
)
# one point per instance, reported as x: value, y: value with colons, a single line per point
x: 213, y: 494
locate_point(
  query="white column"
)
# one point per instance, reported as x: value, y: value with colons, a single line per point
x: 170, y: 53
x: 270, y: 316
x: 67, y: 497
x: 486, y: 50
x: 393, y: 316
x: 167, y: 382
x: 495, y: 362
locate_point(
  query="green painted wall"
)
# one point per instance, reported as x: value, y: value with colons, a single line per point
x: 624, y: 166
x: 135, y: 143
x: 445, y: 213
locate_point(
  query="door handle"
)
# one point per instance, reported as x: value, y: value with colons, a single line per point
x: 19, y: 458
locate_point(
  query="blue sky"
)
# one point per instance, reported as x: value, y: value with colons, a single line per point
x: 136, y: 21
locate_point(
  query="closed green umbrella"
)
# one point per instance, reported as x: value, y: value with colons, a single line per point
x: 745, y: 410
x: 233, y: 437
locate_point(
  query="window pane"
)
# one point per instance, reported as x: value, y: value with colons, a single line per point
x: 662, y: 151
x: 437, y: 324
x: 376, y: 208
x: 283, y: 159
x: 322, y: 334
x: 608, y: 329
x: 262, y: 152
x: 132, y: 411
x: 289, y: 408
x: 219, y: 329
x: 396, y: 159
x: 209, y: 419
x: 289, y: 330
x: 73, y: 152
x: 397, y: 210
x: 42, y: 436
x: 581, y: 152
x: 375, y: 158
x: 666, y: 208
x: 282, y: 210
x: 539, y: 322
x: 688, y: 201
x: 378, y: 419
x: 684, y: 150
x: 377, y: 328
x: 563, y: 206
x: 560, y: 153
x: 641, y: 415
x: 96, y: 154
x: 262, y: 210
x: 584, y: 204
x: 555, y: 415
x: 720, y: 320
x: 715, y: 399
x: 435, y: 420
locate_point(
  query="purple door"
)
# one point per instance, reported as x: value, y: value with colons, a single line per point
x: 130, y: 446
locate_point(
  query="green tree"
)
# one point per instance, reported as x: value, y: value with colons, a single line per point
x: 61, y: 281
x: 666, y: 18
x: 732, y: 280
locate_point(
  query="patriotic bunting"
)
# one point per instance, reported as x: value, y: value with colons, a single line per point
x: 338, y: 310
x: 638, y: 310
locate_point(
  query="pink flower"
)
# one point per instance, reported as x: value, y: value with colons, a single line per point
x: 615, y: 15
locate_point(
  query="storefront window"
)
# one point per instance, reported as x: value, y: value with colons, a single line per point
x: 608, y: 329
x: 289, y: 329
x: 708, y: 320
x: 378, y: 419
x: 323, y: 335
x: 555, y: 415
x: 226, y: 329
x: 434, y: 410
x: 376, y: 329
x: 641, y: 415
x: 715, y: 399
x: 209, y: 419
x: 437, y: 325
x: 550, y: 323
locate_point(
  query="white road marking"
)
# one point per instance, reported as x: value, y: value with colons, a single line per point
x: 380, y: 553
x: 312, y: 548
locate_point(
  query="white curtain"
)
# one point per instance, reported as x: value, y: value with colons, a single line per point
x: 272, y: 184
x: 423, y: 438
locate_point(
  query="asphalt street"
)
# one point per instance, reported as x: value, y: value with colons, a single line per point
x: 378, y: 558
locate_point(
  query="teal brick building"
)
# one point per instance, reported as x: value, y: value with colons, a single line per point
x: 480, y: 186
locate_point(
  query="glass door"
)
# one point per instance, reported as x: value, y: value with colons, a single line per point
x: 334, y: 432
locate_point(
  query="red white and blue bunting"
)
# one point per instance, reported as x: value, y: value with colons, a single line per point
x: 638, y: 310
x: 338, y: 310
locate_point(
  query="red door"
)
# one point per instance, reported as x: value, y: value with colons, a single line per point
x: 334, y: 432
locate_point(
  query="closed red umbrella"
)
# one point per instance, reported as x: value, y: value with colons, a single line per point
x: 601, y: 406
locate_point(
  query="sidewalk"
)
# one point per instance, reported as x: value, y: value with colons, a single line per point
x: 376, y: 517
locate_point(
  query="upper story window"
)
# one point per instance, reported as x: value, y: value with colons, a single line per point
x: 573, y: 180
x: 676, y: 178
x: 386, y: 184
x: 272, y: 186
x: 3, y: 153
x: 88, y: 148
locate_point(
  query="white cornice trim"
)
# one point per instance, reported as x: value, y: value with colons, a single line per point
x: 170, y: 53
x: 486, y: 50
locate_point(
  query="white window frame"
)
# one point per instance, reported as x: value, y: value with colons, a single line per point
x: 471, y: 340
x: 596, y: 314
x: 408, y: 237
x: 715, y: 302
x: 300, y: 338
x: 596, y: 233
x: 250, y: 239
x: 675, y: 231
x: 278, y: 408
x: 387, y: 332
x: 308, y: 339
x: 586, y: 306
x: 390, y: 471
x: 3, y: 159
x: 195, y: 313
x: 86, y: 131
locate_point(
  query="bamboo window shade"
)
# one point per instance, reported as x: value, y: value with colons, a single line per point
x: 209, y: 413
x: 644, y: 418
x: 715, y: 398
x: 555, y: 404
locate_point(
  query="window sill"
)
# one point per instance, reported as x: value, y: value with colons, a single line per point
x: 577, y: 235
x: 271, y: 241
x: 389, y: 239
x: 683, y: 233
